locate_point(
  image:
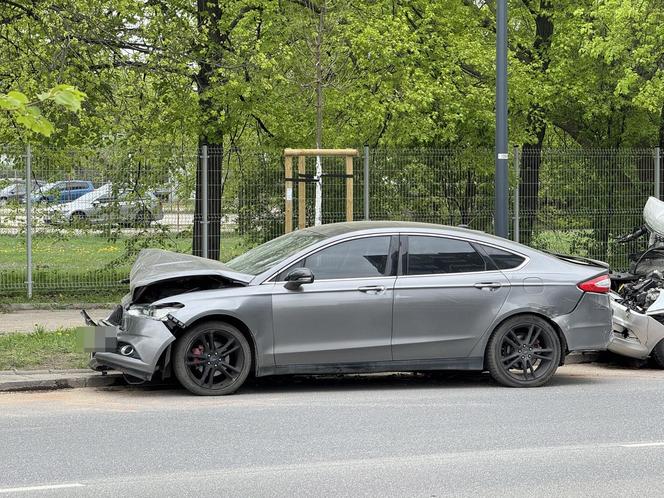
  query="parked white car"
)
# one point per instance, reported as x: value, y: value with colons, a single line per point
x: 104, y: 206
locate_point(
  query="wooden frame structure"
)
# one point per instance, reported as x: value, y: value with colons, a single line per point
x: 301, y: 179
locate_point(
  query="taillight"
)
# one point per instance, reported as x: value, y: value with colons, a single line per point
x: 601, y: 284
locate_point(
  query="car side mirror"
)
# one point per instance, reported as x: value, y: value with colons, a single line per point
x: 297, y: 277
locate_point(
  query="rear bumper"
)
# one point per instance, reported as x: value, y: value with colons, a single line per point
x: 588, y: 327
x: 149, y: 339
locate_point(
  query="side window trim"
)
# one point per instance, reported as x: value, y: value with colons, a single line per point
x: 490, y: 264
x: 299, y: 262
x: 392, y: 267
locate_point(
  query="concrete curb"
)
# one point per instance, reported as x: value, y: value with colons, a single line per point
x: 54, y: 306
x: 43, y: 380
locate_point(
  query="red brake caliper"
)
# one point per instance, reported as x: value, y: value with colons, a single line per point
x: 198, y: 351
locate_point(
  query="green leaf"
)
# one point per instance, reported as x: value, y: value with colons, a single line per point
x: 13, y: 101
x: 66, y: 96
x: 33, y: 120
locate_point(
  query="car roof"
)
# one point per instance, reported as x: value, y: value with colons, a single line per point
x: 334, y: 229
x: 340, y: 230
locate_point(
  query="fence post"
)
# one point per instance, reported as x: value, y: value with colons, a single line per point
x: 366, y: 182
x: 204, y: 200
x: 516, y: 193
x: 657, y: 173
x: 28, y: 217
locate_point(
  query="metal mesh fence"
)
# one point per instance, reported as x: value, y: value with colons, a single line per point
x: 450, y: 187
x: 93, y: 210
x: 578, y: 201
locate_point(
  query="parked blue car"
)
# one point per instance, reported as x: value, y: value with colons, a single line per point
x: 63, y: 191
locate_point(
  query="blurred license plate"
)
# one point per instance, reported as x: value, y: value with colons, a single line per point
x: 97, y: 338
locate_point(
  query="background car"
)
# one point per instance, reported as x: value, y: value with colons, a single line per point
x: 105, y: 206
x: 16, y: 190
x: 63, y: 191
x: 359, y: 297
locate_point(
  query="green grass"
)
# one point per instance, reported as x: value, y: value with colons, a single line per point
x: 49, y: 299
x: 84, y: 267
x: 41, y: 350
x: 75, y: 252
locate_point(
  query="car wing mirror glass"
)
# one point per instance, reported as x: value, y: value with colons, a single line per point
x: 297, y: 277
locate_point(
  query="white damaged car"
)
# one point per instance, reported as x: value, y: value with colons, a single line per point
x: 637, y: 299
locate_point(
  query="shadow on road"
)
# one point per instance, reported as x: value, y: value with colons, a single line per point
x: 360, y: 382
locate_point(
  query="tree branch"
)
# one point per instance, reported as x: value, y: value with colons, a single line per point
x: 307, y: 4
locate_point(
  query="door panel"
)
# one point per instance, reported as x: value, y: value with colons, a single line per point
x: 443, y: 316
x: 333, y: 321
x: 345, y: 315
x: 447, y: 299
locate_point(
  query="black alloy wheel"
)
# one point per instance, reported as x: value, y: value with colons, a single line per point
x: 213, y: 358
x: 523, y: 352
x: 77, y: 218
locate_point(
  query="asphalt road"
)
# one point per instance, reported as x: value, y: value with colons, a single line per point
x: 591, y: 432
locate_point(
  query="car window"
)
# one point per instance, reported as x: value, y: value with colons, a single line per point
x: 504, y: 260
x: 435, y: 255
x: 358, y: 258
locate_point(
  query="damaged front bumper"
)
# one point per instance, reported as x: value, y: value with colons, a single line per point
x: 133, y: 345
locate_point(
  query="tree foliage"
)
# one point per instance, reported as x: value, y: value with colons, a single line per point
x: 414, y: 73
x: 28, y: 114
x: 393, y: 73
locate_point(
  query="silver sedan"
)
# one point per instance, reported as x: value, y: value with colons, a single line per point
x: 104, y: 206
x: 357, y: 297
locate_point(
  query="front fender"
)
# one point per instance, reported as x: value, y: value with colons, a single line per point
x: 253, y: 313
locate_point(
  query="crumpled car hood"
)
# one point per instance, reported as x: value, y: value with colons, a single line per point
x: 653, y: 215
x: 153, y: 265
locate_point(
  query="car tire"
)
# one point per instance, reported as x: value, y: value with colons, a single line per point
x: 213, y: 358
x: 524, y: 351
x: 143, y: 218
x: 77, y: 217
x: 657, y: 354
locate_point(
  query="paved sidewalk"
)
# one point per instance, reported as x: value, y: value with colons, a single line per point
x: 49, y: 320
x: 30, y: 380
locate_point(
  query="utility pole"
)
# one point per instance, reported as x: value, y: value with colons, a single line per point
x: 501, y: 181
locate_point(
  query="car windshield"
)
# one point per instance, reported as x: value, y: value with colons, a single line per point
x: 96, y: 194
x: 261, y: 258
x: 47, y: 187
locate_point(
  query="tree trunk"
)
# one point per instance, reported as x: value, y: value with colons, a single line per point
x: 209, y: 15
x: 532, y: 151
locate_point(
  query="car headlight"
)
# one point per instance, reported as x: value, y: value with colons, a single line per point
x: 154, y: 311
x: 161, y: 311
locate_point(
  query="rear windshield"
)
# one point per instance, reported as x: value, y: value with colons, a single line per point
x: 265, y: 256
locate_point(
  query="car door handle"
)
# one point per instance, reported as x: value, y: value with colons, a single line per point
x: 489, y: 286
x: 372, y: 289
